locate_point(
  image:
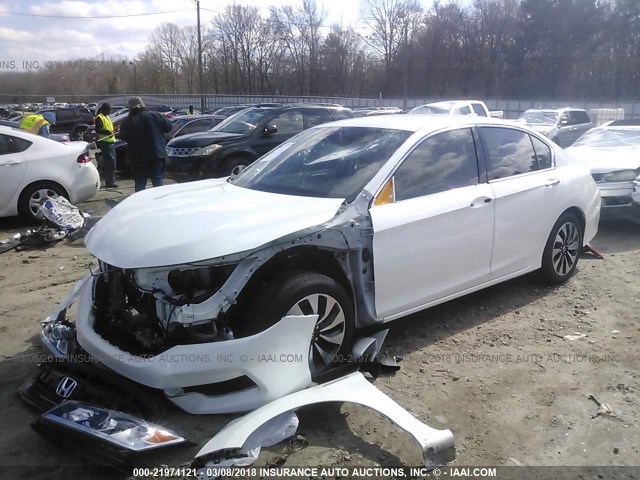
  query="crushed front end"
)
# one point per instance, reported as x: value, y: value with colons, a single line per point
x: 171, y: 330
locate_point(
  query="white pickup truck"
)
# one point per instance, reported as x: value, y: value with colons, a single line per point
x: 457, y: 107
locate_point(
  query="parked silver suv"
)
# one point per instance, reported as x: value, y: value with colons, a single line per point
x: 562, y: 125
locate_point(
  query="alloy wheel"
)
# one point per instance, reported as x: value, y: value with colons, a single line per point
x: 565, y: 248
x: 328, y: 335
x: 38, y: 198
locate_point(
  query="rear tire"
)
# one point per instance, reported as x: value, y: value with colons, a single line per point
x: 306, y: 293
x: 36, y: 194
x: 561, y: 253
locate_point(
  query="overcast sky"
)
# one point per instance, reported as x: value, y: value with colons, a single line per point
x: 33, y: 38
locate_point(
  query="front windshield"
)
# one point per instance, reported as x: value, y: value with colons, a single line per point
x: 540, y: 118
x: 243, y: 122
x: 610, y: 137
x: 427, y: 110
x: 327, y: 162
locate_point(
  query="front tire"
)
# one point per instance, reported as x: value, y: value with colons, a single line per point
x: 307, y: 293
x: 561, y: 253
x: 234, y: 165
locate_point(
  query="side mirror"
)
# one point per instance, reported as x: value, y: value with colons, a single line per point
x: 270, y: 130
x: 563, y: 122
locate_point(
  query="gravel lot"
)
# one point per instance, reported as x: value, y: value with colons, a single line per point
x: 493, y: 367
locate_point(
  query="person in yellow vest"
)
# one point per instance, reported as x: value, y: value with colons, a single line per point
x: 107, y: 145
x: 37, y: 123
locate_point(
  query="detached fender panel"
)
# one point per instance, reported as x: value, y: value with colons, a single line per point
x: 437, y: 445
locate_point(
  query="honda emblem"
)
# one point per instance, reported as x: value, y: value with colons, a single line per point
x: 66, y: 387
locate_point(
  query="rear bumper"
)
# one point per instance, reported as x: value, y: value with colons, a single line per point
x: 85, y: 185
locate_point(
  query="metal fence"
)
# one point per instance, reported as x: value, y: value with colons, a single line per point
x: 512, y: 108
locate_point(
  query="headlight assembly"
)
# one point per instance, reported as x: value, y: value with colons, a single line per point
x: 620, y: 176
x: 206, y: 151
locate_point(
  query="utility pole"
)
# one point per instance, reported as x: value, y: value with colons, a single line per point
x: 201, y: 73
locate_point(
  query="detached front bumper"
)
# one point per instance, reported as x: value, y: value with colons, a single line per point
x: 276, y: 360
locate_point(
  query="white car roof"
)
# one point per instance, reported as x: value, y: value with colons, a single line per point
x: 413, y: 123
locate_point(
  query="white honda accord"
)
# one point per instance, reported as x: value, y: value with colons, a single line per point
x: 34, y: 168
x: 205, y: 290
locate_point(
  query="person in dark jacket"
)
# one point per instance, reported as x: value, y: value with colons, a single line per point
x: 107, y: 145
x: 146, y: 152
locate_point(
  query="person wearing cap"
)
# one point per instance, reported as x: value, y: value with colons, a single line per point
x: 38, y: 123
x: 107, y: 145
x: 146, y: 152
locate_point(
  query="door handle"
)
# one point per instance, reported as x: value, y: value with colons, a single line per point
x: 14, y: 162
x: 551, y: 182
x: 481, y: 202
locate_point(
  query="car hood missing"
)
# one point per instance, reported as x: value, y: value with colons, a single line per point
x: 197, y: 221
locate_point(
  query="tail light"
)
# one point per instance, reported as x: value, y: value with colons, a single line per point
x: 83, y: 158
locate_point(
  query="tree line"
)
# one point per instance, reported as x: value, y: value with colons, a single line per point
x: 487, y: 49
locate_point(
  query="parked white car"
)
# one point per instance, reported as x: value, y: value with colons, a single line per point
x: 349, y: 225
x: 456, y: 107
x: 33, y: 168
x: 612, y: 152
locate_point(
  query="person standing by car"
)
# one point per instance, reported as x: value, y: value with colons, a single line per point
x: 146, y: 152
x: 38, y: 123
x: 107, y: 145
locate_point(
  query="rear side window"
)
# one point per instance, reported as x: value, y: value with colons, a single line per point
x: 442, y: 162
x: 577, y: 117
x: 64, y: 116
x: 317, y: 116
x: 510, y: 152
x: 465, y: 110
x: 341, y: 113
x: 478, y: 110
x: 543, y: 153
x: 9, y: 144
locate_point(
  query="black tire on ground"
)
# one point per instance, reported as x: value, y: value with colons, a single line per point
x: 233, y: 164
x: 304, y: 293
x: 78, y: 134
x: 37, y: 193
x: 562, y: 250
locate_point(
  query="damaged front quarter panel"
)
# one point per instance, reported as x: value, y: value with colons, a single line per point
x: 438, y: 446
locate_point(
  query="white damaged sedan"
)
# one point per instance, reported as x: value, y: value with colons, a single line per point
x: 229, y: 293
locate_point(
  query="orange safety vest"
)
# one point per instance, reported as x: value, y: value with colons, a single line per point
x: 33, y: 123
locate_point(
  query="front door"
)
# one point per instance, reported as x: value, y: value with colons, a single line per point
x: 435, y: 238
x: 288, y: 123
x: 13, y: 166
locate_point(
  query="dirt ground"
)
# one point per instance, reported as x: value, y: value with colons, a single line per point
x: 493, y: 367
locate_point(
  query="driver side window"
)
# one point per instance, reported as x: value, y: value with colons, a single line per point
x: 445, y: 161
x: 288, y: 122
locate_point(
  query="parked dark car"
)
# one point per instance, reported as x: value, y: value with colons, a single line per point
x: 74, y: 121
x: 242, y: 138
x: 186, y: 124
x: 233, y: 109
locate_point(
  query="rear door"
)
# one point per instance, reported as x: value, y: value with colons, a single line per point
x: 523, y: 180
x: 435, y: 239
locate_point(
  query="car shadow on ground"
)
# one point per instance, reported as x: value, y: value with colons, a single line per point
x: 617, y: 236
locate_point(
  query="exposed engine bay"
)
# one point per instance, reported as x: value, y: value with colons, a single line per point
x: 136, y: 310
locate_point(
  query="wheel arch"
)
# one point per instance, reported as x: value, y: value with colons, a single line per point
x: 43, y: 182
x: 297, y: 259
